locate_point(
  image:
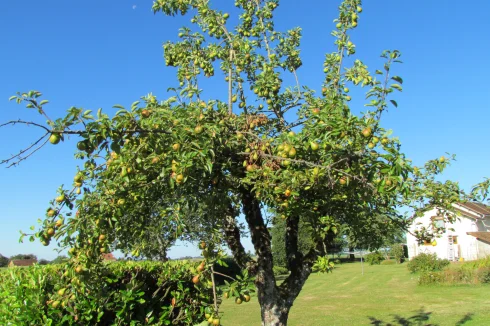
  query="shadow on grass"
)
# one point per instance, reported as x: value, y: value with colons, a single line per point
x: 420, y: 318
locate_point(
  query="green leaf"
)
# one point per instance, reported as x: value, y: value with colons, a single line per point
x: 397, y: 87
x: 118, y: 106
x: 394, y: 103
x: 12, y: 98
x: 134, y: 106
x: 397, y: 79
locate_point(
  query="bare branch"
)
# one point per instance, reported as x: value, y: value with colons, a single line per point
x: 214, y: 291
x: 231, y: 278
x: 13, y: 122
x: 24, y: 150
x: 28, y: 155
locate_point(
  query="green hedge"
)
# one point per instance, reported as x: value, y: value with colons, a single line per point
x: 123, y: 293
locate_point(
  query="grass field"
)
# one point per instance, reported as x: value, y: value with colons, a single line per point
x: 384, y: 295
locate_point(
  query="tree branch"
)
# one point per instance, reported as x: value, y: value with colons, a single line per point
x: 232, y: 238
x: 24, y: 150
x: 261, y: 237
x: 13, y: 122
x: 27, y: 156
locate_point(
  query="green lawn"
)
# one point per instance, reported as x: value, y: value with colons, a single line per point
x: 383, y: 295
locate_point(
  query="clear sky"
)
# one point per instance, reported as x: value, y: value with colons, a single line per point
x: 94, y: 54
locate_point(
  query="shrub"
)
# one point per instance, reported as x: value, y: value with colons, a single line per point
x: 483, y: 275
x: 374, y: 258
x: 125, y: 293
x: 279, y: 270
x: 430, y: 277
x: 476, y: 264
x: 398, y: 252
x: 388, y: 262
x: 427, y: 263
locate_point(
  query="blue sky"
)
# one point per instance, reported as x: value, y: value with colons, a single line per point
x: 94, y: 54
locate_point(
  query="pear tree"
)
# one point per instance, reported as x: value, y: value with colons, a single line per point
x: 187, y: 168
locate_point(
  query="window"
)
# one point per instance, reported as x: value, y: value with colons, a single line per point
x: 438, y: 221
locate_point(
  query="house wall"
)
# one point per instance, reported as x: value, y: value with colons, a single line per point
x: 483, y: 247
x: 466, y: 248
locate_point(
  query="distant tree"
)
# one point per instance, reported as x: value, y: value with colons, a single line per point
x: 44, y: 262
x: 397, y: 251
x: 59, y: 260
x: 23, y: 256
x: 4, y: 261
x: 306, y: 241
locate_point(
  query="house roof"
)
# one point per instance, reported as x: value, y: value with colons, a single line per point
x: 478, y: 208
x: 484, y: 236
x: 108, y: 256
x: 23, y: 262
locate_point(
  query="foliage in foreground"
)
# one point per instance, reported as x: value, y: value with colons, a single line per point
x: 128, y: 293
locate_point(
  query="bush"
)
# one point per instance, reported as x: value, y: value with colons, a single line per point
x: 398, y: 252
x: 427, y: 263
x: 388, y: 262
x: 124, y: 293
x: 473, y: 272
x: 279, y: 270
x: 429, y: 278
x: 476, y: 264
x: 374, y: 258
x: 483, y: 275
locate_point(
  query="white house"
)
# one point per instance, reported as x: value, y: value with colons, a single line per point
x: 469, y: 239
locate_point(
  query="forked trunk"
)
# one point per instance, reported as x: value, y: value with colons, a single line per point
x: 275, y: 301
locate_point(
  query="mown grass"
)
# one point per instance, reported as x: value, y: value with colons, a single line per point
x: 384, y: 295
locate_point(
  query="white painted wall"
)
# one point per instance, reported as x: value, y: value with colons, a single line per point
x: 467, y: 247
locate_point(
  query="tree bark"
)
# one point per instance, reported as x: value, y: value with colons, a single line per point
x: 274, y: 315
x: 351, y: 256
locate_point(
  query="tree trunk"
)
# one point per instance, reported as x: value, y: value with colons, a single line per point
x: 351, y: 256
x: 274, y: 314
x: 275, y: 301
